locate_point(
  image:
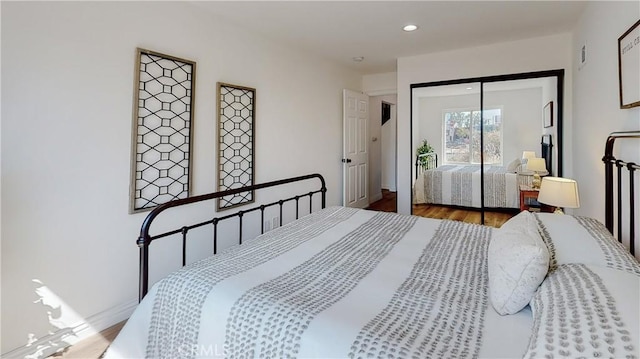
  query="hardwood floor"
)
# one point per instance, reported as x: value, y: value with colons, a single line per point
x: 92, y: 347
x: 386, y: 204
x: 492, y: 218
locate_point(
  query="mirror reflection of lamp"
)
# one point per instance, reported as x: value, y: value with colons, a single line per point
x: 538, y: 166
x: 526, y: 155
x: 559, y: 192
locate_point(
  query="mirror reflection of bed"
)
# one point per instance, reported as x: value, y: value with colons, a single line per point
x: 447, y: 116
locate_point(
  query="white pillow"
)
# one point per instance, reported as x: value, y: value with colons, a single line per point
x: 514, y: 166
x: 517, y: 263
x: 525, y: 222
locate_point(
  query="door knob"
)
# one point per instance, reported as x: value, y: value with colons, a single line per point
x: 346, y: 160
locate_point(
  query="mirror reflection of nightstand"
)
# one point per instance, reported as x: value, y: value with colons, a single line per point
x: 529, y: 200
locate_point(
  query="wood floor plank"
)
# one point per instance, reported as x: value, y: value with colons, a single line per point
x: 476, y: 217
x: 492, y: 218
x: 92, y: 347
x: 458, y: 215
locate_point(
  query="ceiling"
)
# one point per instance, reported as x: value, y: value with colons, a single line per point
x: 342, y: 30
x: 473, y: 88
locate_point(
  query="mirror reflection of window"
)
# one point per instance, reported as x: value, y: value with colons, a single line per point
x: 461, y: 143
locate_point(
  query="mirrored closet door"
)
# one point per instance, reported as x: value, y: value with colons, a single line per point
x: 472, y: 139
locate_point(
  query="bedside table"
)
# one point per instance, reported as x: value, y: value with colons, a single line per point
x: 529, y: 200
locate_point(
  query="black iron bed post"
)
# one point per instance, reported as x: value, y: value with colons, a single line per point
x: 632, y: 212
x: 619, y: 177
x: 145, y: 239
x: 143, y: 243
x: 609, y: 160
x: 143, y: 280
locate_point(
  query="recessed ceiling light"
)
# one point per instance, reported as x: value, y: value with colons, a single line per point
x: 358, y: 58
x: 410, y: 28
x: 469, y: 88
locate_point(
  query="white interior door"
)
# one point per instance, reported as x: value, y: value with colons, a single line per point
x: 355, y: 149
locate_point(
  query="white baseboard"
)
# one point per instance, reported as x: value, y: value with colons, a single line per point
x: 62, y: 338
x: 389, y: 188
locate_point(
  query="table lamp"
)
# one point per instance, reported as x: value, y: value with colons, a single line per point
x: 538, y: 166
x: 559, y: 192
x: 526, y: 155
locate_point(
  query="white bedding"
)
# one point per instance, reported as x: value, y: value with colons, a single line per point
x: 337, y: 283
x: 460, y: 186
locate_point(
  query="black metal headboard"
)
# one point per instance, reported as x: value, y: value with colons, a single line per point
x: 145, y: 238
x: 609, y: 162
x: 426, y: 161
x: 546, y: 150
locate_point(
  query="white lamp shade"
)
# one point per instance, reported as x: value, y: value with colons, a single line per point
x: 536, y: 164
x: 559, y: 192
x: 526, y: 155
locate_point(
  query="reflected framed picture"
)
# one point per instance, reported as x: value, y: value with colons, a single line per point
x: 629, y: 67
x: 547, y: 115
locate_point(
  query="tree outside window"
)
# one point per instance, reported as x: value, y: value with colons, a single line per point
x: 462, y: 136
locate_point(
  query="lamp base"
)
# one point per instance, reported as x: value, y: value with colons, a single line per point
x: 535, y: 183
x: 558, y: 211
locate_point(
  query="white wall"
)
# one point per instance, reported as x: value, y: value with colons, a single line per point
x: 596, y: 99
x: 67, y: 80
x: 375, y: 149
x: 380, y: 84
x: 538, y: 54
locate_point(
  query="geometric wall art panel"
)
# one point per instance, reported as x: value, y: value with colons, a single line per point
x: 236, y: 118
x: 161, y: 135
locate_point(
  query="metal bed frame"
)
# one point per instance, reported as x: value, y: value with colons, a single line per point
x: 430, y: 162
x: 609, y: 162
x: 145, y: 239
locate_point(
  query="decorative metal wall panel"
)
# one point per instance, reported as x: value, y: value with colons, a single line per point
x: 236, y: 116
x: 162, y: 123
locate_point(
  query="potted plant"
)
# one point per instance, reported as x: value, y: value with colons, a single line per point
x: 424, y: 148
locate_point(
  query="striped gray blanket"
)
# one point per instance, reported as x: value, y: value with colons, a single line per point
x: 338, y: 283
x: 461, y: 186
x: 346, y: 283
